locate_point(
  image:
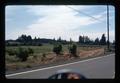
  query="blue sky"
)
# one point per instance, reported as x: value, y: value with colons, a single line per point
x: 53, y: 21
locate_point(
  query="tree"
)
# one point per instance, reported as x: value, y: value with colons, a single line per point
x: 57, y: 49
x: 97, y: 41
x: 29, y: 38
x: 64, y: 42
x: 21, y: 38
x: 59, y: 39
x: 73, y: 50
x: 54, y: 39
x: 86, y: 40
x: 81, y: 39
x: 103, y: 40
x: 35, y: 39
x: 22, y: 54
x: 71, y: 41
x: 43, y: 57
x: 30, y: 51
x: 26, y: 40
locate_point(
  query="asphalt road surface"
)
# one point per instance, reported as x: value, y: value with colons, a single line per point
x: 100, y: 68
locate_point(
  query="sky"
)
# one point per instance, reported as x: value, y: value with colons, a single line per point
x: 54, y: 21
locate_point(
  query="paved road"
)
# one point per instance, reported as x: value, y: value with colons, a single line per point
x: 100, y: 68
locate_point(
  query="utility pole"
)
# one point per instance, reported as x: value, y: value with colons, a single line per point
x: 108, y: 44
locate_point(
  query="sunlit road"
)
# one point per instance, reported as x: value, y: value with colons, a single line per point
x: 100, y: 67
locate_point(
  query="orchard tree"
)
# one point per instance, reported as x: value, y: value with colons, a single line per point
x: 97, y: 41
x: 103, y: 40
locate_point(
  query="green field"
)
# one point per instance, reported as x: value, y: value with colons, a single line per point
x: 47, y: 48
x: 37, y: 49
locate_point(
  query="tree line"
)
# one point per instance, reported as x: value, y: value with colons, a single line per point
x: 27, y: 40
x: 97, y: 41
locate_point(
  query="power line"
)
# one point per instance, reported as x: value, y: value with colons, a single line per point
x: 83, y: 13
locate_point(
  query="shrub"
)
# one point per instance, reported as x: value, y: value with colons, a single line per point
x: 57, y: 49
x: 10, y: 59
x: 39, y: 44
x: 43, y: 57
x: 35, y: 56
x: 22, y: 54
x: 73, y: 50
x: 11, y: 52
x: 30, y: 51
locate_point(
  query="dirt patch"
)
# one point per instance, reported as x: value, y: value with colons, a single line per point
x: 51, y: 57
x: 96, y: 52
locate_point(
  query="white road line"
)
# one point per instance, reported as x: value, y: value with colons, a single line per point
x: 55, y: 66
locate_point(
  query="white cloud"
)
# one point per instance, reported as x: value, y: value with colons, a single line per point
x: 55, y: 21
